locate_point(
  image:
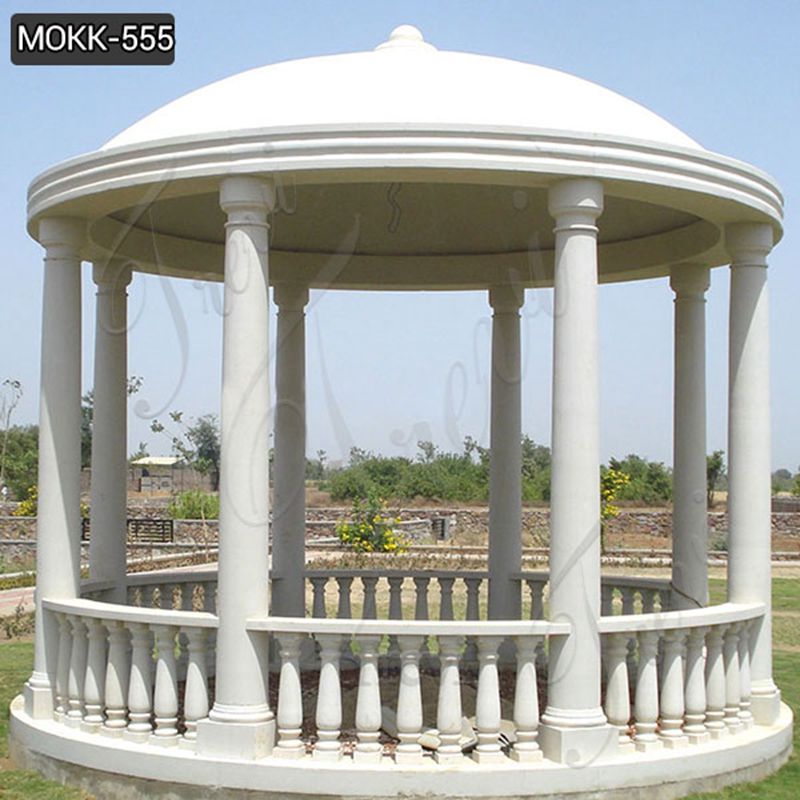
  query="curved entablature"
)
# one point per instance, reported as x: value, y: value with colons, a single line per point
x: 406, y: 209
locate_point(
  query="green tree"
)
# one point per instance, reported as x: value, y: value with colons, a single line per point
x: 11, y: 395
x: 648, y: 482
x: 715, y: 469
x: 198, y: 443
x: 87, y: 416
x: 21, y: 459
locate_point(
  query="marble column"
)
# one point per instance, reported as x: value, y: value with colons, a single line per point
x: 505, y: 463
x: 58, y: 551
x: 689, y: 516
x: 107, y: 543
x: 574, y: 728
x: 289, y: 470
x: 241, y: 723
x: 749, y: 458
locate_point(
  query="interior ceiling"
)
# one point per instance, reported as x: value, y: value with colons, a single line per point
x: 406, y: 219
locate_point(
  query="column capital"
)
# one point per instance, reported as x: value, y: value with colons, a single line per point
x: 688, y: 280
x: 749, y: 243
x: 290, y: 295
x: 246, y: 195
x: 68, y: 232
x: 581, y: 198
x: 113, y: 274
x: 507, y: 298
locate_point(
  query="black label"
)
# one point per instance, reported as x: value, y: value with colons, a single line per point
x: 92, y: 39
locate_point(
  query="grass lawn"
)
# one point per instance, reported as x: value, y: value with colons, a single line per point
x: 16, y: 659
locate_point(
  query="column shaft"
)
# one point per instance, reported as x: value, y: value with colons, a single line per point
x: 749, y: 459
x: 289, y: 516
x: 107, y: 543
x: 240, y: 723
x: 505, y: 464
x: 689, y: 515
x: 59, y: 518
x: 575, y: 727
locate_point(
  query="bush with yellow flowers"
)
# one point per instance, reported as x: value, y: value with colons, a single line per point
x: 611, y: 482
x: 371, y: 528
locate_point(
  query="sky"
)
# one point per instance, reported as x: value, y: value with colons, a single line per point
x: 384, y: 371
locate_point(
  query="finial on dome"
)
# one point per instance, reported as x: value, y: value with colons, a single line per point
x: 406, y: 36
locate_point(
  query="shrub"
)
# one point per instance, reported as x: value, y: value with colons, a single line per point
x: 371, y: 530
x: 194, y: 505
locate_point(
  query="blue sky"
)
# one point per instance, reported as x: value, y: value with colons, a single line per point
x: 384, y: 371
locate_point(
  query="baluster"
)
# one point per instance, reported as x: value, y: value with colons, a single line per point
x: 618, y: 699
x: 209, y: 597
x: 473, y: 613
x: 395, y: 612
x: 62, y: 669
x: 606, y: 600
x: 409, y: 702
x: 148, y: 596
x: 487, y: 704
x: 290, y: 698
x: 695, y: 702
x: 672, y: 693
x: 629, y: 607
x: 329, y: 697
x: 187, y: 604
x: 445, y: 597
x: 130, y: 595
x: 646, y: 702
x: 195, y: 694
x: 344, y: 611
x: 370, y: 609
x: 318, y: 584
x: 745, y: 714
x: 116, y: 686
x: 536, y: 588
x: 421, y: 605
x: 165, y: 698
x: 94, y: 683
x: 733, y: 679
x: 140, y: 684
x: 448, y: 709
x: 77, y: 672
x: 422, y: 612
x: 368, y: 703
x: 648, y: 601
x: 715, y: 684
x: 526, y: 702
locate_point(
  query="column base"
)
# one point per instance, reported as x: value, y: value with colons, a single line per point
x: 700, y: 737
x: 675, y: 742
x: 90, y: 726
x: 293, y: 752
x: 526, y: 756
x: 247, y: 740
x: 371, y: 756
x: 648, y: 745
x: 765, y: 708
x: 38, y: 701
x: 578, y: 746
x: 488, y: 756
x: 718, y: 733
x: 409, y: 757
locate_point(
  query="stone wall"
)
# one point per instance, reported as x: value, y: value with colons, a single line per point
x: 17, y: 534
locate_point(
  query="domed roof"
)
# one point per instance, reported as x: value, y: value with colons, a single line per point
x: 403, y: 82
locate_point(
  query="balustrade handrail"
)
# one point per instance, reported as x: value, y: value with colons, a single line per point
x: 724, y: 613
x: 124, y: 613
x: 393, y: 573
x: 396, y: 627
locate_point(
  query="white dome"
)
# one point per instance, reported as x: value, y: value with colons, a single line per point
x: 403, y: 82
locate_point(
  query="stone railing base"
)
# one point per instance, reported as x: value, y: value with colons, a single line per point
x: 112, y: 767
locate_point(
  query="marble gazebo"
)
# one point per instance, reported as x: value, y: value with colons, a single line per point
x: 402, y: 168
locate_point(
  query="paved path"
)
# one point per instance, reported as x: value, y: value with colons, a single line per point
x: 11, y: 598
